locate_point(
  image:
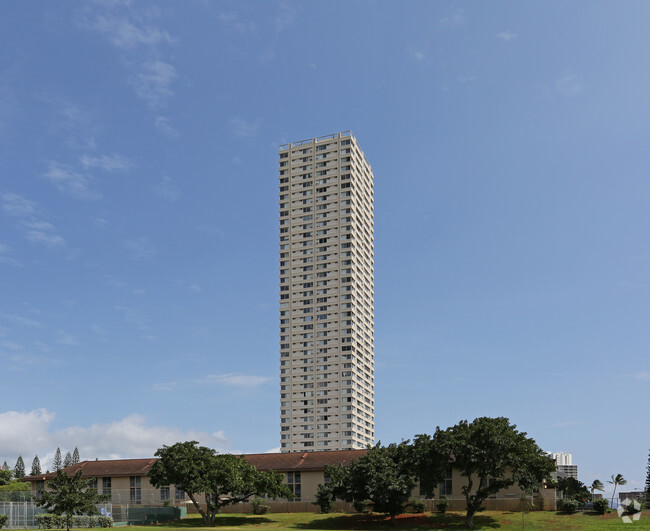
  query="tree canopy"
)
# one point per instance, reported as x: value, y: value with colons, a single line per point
x: 489, y: 452
x: 36, y: 467
x: 223, y: 479
x: 382, y: 479
x: 56, y: 464
x: 19, y: 469
x: 70, y: 495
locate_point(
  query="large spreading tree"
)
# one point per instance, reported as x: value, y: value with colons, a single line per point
x: 490, y: 453
x: 222, y: 479
x: 382, y: 480
x: 70, y: 495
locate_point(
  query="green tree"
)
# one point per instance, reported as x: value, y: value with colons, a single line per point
x: 381, y: 479
x: 36, y: 467
x: 19, y: 469
x: 5, y: 474
x: 616, y: 480
x: 222, y: 479
x: 573, y: 489
x: 489, y: 452
x: 67, y: 461
x: 647, y: 480
x: 596, y: 484
x: 69, y: 495
x: 75, y: 456
x: 56, y: 464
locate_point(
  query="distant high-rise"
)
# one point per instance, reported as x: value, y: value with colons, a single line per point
x: 326, y: 295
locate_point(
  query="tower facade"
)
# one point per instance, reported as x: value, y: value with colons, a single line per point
x: 326, y: 295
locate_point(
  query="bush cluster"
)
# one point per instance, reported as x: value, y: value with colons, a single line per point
x: 259, y: 507
x: 568, y: 506
x: 417, y: 506
x: 600, y: 506
x: 54, y: 521
x: 3, y: 520
x: 442, y: 505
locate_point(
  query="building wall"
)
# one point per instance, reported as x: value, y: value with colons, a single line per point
x: 326, y: 295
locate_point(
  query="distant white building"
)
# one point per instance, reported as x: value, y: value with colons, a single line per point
x: 562, y: 459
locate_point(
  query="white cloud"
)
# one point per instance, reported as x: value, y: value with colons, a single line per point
x: 153, y: 83
x: 16, y: 205
x: 195, y: 288
x: 570, y: 85
x: 466, y: 79
x: 506, y: 35
x: 4, y: 259
x: 125, y: 34
x: 141, y: 248
x: 20, y: 320
x: 643, y: 375
x: 245, y: 380
x: 416, y: 54
x: 109, y: 163
x: 241, y: 128
x: 70, y: 181
x: 285, y: 17
x: 163, y: 125
x: 242, y: 26
x: 28, y: 433
x: 167, y: 190
x: 63, y: 338
x: 455, y: 19
x: 134, y: 317
x: 50, y: 240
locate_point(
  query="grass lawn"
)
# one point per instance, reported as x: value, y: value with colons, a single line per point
x: 485, y: 520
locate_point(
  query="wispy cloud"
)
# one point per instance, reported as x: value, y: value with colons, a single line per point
x: 643, y: 375
x: 466, y: 79
x: 153, y: 83
x: 20, y: 320
x: 232, y: 20
x: 141, y: 248
x: 570, y: 85
x: 163, y: 125
x: 567, y: 423
x: 195, y: 288
x: 70, y: 181
x: 134, y: 317
x: 64, y: 338
x: 416, y: 54
x: 454, y: 19
x: 167, y: 190
x: 286, y: 16
x: 46, y: 238
x: 108, y: 163
x: 506, y: 35
x: 125, y: 34
x: 16, y: 205
x: 4, y: 259
x: 245, y: 380
x: 242, y: 128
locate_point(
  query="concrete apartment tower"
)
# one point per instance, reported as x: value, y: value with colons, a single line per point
x: 326, y: 295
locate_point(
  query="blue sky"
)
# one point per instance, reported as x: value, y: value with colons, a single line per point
x: 138, y: 217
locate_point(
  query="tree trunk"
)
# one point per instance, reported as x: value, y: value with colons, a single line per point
x: 469, y: 518
x: 392, y: 520
x: 206, y: 519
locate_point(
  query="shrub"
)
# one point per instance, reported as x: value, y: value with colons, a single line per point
x: 601, y: 505
x: 3, y: 520
x: 258, y: 508
x: 324, y: 499
x: 417, y: 506
x: 362, y: 506
x: 442, y: 505
x: 630, y: 509
x: 568, y: 506
x: 104, y: 521
x: 53, y: 521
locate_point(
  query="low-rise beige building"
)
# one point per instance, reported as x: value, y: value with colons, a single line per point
x: 127, y: 483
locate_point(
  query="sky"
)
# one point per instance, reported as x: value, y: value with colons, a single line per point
x: 139, y: 223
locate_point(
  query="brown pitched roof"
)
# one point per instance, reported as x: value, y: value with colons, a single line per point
x: 97, y: 469
x: 302, y: 460
x: 277, y: 462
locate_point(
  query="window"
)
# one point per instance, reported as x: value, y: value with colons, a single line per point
x: 136, y: 489
x: 106, y: 486
x: 444, y: 489
x: 179, y: 494
x: 164, y: 493
x: 93, y: 483
x: 293, y: 481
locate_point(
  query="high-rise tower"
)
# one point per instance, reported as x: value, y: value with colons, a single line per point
x: 326, y: 295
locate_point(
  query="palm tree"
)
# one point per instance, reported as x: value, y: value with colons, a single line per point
x: 596, y: 485
x: 617, y: 480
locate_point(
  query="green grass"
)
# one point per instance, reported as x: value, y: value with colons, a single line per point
x: 542, y: 520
